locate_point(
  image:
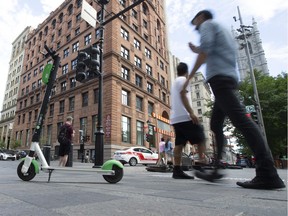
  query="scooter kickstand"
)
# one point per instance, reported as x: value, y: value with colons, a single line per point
x: 50, y: 172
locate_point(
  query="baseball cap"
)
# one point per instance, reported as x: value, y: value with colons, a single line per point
x: 207, y: 14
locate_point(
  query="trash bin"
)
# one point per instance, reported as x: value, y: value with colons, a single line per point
x: 70, y: 158
x: 46, y: 153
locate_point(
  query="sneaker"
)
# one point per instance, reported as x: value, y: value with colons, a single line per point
x: 211, y: 177
x: 263, y: 183
x: 181, y: 175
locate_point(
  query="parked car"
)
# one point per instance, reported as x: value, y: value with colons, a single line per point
x: 243, y: 162
x: 136, y: 155
x: 7, y: 155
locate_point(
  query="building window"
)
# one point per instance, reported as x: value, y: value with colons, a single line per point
x: 139, y: 103
x: 134, y: 13
x: 29, y: 116
x: 148, y: 53
x: 75, y: 47
x: 137, y: 44
x: 124, y: 52
x: 71, y: 103
x: 161, y: 65
x: 149, y: 70
x: 138, y: 81
x: 145, y: 24
x: 38, y: 97
x: 72, y: 82
x: 35, y: 114
x: 83, y: 125
x: 77, y: 31
x: 96, y: 96
x: 123, y: 2
x: 125, y: 97
x: 39, y: 83
x: 135, y: 27
x: 162, y: 81
x: 124, y: 34
x: 63, y: 86
x: 197, y: 87
x: 198, y: 103
x: 74, y: 64
x: 51, y: 110
x: 126, y: 129
x: 35, y: 72
x: 199, y: 112
x: 87, y: 39
x: 163, y: 97
x: 34, y: 86
x: 64, y: 69
x: 197, y: 95
x: 62, y: 106
x: 150, y: 108
x: 68, y: 38
x: 140, y: 133
x: 78, y: 17
x: 150, y: 87
x: 66, y: 53
x: 84, y: 99
x: 137, y: 61
x: 125, y: 73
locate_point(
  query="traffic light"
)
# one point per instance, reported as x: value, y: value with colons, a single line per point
x: 147, y: 137
x: 88, y: 64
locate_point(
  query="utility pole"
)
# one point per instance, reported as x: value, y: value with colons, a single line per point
x: 256, y: 96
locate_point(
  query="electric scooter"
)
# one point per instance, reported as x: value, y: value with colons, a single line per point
x: 111, y: 170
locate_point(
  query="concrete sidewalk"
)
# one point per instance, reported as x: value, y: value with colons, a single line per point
x: 138, y: 193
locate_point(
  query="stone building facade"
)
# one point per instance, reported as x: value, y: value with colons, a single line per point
x: 136, y: 78
x: 12, y: 88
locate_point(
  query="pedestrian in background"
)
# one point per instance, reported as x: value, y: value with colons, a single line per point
x: 217, y: 49
x: 162, y: 159
x: 168, y: 151
x: 66, y: 141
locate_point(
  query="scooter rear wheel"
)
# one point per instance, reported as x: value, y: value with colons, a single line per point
x: 114, y: 178
x: 29, y: 175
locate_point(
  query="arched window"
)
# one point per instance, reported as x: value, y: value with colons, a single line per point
x: 60, y: 18
x: 46, y: 31
x: 79, y: 3
x: 70, y: 9
x: 40, y: 36
x: 54, y: 24
x: 145, y: 9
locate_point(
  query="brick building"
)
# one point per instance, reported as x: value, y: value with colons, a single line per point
x: 136, y: 78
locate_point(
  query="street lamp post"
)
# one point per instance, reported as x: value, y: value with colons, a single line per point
x: 256, y: 97
x: 99, y: 134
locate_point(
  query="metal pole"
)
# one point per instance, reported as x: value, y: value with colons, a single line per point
x: 99, y: 134
x: 256, y: 97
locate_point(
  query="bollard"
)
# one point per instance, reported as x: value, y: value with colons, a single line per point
x: 70, y: 157
x: 46, y: 153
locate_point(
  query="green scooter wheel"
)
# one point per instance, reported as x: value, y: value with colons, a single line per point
x: 29, y: 175
x: 114, y: 178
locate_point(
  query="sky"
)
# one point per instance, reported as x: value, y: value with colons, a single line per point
x: 271, y: 18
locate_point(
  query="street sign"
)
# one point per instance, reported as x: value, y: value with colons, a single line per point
x: 89, y: 14
x: 250, y: 109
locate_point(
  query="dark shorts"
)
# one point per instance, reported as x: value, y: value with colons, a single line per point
x: 188, y: 131
x: 64, y: 149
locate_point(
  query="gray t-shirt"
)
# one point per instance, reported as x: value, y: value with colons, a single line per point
x: 218, y: 44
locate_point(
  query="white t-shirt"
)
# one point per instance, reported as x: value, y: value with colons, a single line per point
x: 178, y: 112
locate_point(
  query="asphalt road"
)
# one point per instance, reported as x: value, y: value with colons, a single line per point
x: 139, y: 193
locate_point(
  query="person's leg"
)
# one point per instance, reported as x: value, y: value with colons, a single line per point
x: 229, y: 103
x: 65, y: 158
x: 180, y: 141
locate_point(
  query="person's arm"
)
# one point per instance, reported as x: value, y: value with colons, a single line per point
x: 201, y: 58
x: 185, y: 101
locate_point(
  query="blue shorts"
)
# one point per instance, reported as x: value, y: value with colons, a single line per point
x: 188, y: 131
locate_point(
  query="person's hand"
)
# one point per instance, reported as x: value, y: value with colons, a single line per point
x: 194, y: 118
x: 194, y: 48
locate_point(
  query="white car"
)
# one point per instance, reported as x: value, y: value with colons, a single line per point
x: 136, y: 155
x: 7, y: 155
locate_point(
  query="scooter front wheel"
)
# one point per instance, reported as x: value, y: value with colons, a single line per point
x: 114, y: 178
x: 29, y: 175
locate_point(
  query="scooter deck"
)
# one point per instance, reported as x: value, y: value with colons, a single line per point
x: 67, y: 169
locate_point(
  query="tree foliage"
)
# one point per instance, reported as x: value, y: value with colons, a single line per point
x: 272, y: 93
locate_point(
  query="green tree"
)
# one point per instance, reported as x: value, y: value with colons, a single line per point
x: 272, y: 93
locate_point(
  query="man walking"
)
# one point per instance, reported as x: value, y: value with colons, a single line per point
x: 217, y: 49
x: 185, y: 122
x: 65, y: 139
